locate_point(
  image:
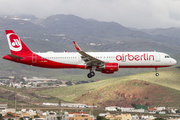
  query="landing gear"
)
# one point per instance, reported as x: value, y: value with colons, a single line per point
x: 91, y: 74
x: 157, y: 74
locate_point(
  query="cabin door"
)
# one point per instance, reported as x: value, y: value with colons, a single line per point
x: 34, y: 58
x: 157, y: 57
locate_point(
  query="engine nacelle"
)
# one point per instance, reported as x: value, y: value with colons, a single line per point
x: 106, y: 72
x: 110, y: 68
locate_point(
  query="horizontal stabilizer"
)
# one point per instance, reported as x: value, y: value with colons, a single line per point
x: 14, y: 56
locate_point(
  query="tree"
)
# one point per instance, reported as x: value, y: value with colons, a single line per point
x: 177, y: 111
x: 69, y: 83
x: 9, y: 114
x: 119, y: 110
x: 21, y: 118
x: 1, y: 118
x: 101, y: 118
x: 160, y: 119
x: 59, y: 118
x: 36, y: 116
x: 133, y: 105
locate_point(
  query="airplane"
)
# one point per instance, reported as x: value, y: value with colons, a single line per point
x: 104, y: 62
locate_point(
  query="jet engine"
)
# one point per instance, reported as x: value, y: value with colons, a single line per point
x: 110, y: 68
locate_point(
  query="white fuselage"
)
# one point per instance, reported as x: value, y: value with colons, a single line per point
x: 124, y: 59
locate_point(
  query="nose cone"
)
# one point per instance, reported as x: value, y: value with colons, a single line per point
x: 173, y: 61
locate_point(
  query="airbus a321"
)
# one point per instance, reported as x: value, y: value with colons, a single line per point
x: 104, y: 62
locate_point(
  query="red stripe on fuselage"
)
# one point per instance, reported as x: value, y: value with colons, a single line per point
x: 36, y: 60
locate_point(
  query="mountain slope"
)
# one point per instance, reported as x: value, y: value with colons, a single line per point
x: 74, y: 25
x: 169, y: 32
x: 131, y: 92
x: 141, y: 88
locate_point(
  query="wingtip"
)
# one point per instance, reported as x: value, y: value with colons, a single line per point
x: 76, y: 46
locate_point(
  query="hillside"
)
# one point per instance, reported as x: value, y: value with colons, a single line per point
x: 24, y: 97
x: 170, y: 32
x: 143, y: 88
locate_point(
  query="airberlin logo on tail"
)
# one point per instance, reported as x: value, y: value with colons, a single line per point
x: 143, y: 57
x: 14, y: 42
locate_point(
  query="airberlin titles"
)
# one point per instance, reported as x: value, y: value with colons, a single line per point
x: 130, y: 57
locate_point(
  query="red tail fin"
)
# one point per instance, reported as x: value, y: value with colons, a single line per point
x: 15, y: 43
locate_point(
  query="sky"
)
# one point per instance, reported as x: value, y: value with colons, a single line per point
x: 140, y: 14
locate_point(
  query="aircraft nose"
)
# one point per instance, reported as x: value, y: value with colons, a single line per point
x: 173, y: 61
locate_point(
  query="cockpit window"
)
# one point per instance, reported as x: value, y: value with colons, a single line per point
x: 167, y: 56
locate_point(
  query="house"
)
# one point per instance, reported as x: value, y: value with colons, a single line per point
x: 50, y: 115
x: 80, y: 116
x: 32, y: 113
x: 119, y: 117
x: 135, y: 117
x: 25, y: 116
x: 63, y: 115
x: 162, y: 112
x: 10, y: 117
x: 126, y: 117
x: 173, y: 110
x: 12, y: 110
x: 113, y: 117
x: 39, y: 119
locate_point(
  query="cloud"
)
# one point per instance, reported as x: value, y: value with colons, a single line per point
x: 129, y: 13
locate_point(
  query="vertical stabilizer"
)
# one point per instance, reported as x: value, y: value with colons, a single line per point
x: 16, y: 45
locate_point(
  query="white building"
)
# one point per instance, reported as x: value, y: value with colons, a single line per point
x: 126, y: 109
x: 148, y: 117
x: 64, y: 116
x: 138, y: 110
x: 50, y: 115
x: 103, y: 114
x: 112, y: 108
x: 135, y: 117
x: 173, y: 110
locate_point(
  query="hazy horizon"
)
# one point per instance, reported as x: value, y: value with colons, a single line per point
x: 140, y: 14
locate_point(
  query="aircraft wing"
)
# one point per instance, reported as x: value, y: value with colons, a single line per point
x: 88, y: 59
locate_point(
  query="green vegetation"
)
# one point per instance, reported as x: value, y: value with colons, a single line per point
x: 103, y: 90
x: 101, y: 118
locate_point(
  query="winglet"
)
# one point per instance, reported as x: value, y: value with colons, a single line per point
x: 76, y: 46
